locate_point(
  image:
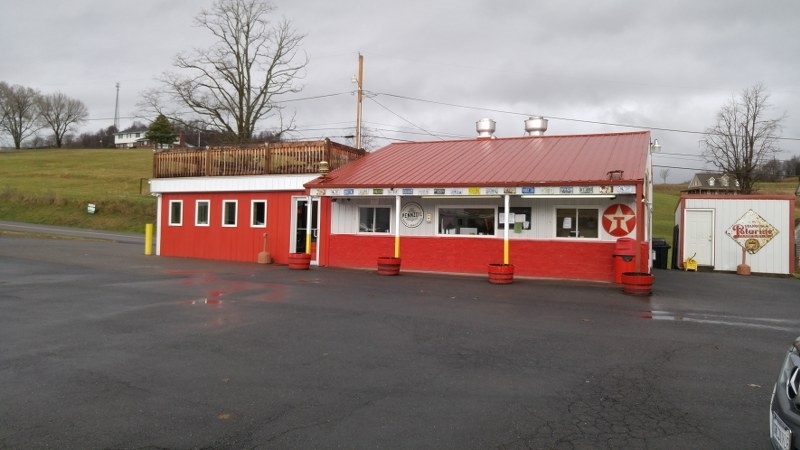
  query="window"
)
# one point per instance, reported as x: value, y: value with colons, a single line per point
x: 176, y: 212
x: 577, y: 222
x: 519, y: 219
x: 202, y: 213
x: 258, y: 213
x: 229, y: 213
x: 466, y: 221
x: 374, y: 220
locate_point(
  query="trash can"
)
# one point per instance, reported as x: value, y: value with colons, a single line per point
x: 660, y: 251
x: 624, y: 253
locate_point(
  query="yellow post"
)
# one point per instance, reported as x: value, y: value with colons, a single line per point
x: 397, y: 226
x: 148, y: 239
x: 507, y: 210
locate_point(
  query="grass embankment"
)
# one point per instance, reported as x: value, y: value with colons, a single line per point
x: 54, y: 187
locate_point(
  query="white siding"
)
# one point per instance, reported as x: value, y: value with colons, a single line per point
x: 543, y: 212
x: 230, y: 184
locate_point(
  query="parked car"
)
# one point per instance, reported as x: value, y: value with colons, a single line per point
x: 784, y: 416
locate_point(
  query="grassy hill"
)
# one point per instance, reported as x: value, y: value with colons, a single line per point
x: 54, y: 187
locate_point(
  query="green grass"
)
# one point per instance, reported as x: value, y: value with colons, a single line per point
x: 54, y: 187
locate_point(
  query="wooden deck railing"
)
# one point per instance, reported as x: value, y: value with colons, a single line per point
x: 278, y: 158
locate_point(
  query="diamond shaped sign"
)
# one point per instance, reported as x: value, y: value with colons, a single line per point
x: 752, y: 232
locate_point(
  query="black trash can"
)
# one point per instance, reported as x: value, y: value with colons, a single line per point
x: 660, y: 251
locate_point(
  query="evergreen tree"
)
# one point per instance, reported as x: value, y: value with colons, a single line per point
x: 161, y: 132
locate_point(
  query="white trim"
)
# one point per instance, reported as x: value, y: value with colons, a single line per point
x: 235, y: 213
x: 253, y: 210
x: 159, y: 204
x: 169, y: 217
x: 258, y: 183
x: 208, y: 213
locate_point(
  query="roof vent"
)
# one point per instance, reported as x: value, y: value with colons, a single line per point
x: 535, y: 126
x: 485, y: 128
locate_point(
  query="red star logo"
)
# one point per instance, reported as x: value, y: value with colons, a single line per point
x: 619, y: 220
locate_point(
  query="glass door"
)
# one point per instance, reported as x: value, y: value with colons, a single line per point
x: 300, y: 225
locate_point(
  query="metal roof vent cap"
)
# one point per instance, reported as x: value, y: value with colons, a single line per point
x: 535, y: 126
x: 485, y: 128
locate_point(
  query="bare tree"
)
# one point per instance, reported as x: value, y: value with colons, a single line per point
x: 664, y: 174
x: 233, y: 85
x: 19, y: 113
x: 743, y: 137
x: 60, y: 114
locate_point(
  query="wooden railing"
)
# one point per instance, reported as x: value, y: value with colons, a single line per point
x: 278, y: 158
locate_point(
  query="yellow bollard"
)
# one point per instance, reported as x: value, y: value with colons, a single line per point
x: 148, y: 239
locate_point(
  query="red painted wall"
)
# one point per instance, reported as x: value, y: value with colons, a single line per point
x: 557, y: 258
x: 547, y: 258
x: 240, y: 243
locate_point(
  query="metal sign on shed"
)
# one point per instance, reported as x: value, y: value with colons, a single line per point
x: 752, y: 232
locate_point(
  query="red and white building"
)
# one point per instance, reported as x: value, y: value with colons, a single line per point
x: 553, y: 206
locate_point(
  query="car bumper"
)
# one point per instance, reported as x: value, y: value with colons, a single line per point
x: 784, y: 422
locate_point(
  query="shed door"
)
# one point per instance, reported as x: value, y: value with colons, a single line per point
x: 698, y: 236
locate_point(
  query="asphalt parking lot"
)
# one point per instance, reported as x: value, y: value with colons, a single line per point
x: 104, y: 347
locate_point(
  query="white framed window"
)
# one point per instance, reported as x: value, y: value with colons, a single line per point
x: 471, y: 220
x: 229, y: 213
x: 258, y: 214
x: 574, y: 222
x: 374, y: 219
x: 176, y: 212
x: 202, y: 215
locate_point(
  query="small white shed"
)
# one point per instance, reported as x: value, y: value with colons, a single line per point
x: 718, y: 231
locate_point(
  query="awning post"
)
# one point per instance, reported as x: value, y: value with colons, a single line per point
x: 506, y: 203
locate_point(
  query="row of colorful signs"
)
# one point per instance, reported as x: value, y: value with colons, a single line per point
x: 478, y: 191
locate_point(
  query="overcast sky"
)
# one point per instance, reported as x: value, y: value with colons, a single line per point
x: 433, y: 68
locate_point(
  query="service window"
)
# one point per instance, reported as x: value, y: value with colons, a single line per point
x: 258, y: 214
x: 374, y: 219
x: 229, y: 213
x: 471, y: 221
x: 202, y: 214
x: 176, y: 212
x: 577, y: 222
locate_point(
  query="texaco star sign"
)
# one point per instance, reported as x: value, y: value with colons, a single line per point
x: 619, y: 220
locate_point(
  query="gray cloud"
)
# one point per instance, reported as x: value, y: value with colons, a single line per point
x: 658, y: 65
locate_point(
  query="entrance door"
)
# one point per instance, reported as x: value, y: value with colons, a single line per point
x: 698, y: 236
x: 300, y: 224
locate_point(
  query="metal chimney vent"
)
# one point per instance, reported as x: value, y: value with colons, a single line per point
x: 535, y: 126
x: 485, y: 128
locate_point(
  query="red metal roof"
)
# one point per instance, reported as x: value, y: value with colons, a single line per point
x: 520, y: 161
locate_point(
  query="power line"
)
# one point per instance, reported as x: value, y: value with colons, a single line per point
x: 569, y: 119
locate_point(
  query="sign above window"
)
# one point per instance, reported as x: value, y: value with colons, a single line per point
x: 466, y: 191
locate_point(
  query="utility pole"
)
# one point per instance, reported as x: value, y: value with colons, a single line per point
x: 360, y: 82
x: 116, y: 111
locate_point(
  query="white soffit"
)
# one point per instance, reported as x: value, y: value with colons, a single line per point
x: 230, y: 184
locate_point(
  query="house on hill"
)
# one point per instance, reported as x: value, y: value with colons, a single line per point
x: 712, y: 183
x: 134, y: 137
